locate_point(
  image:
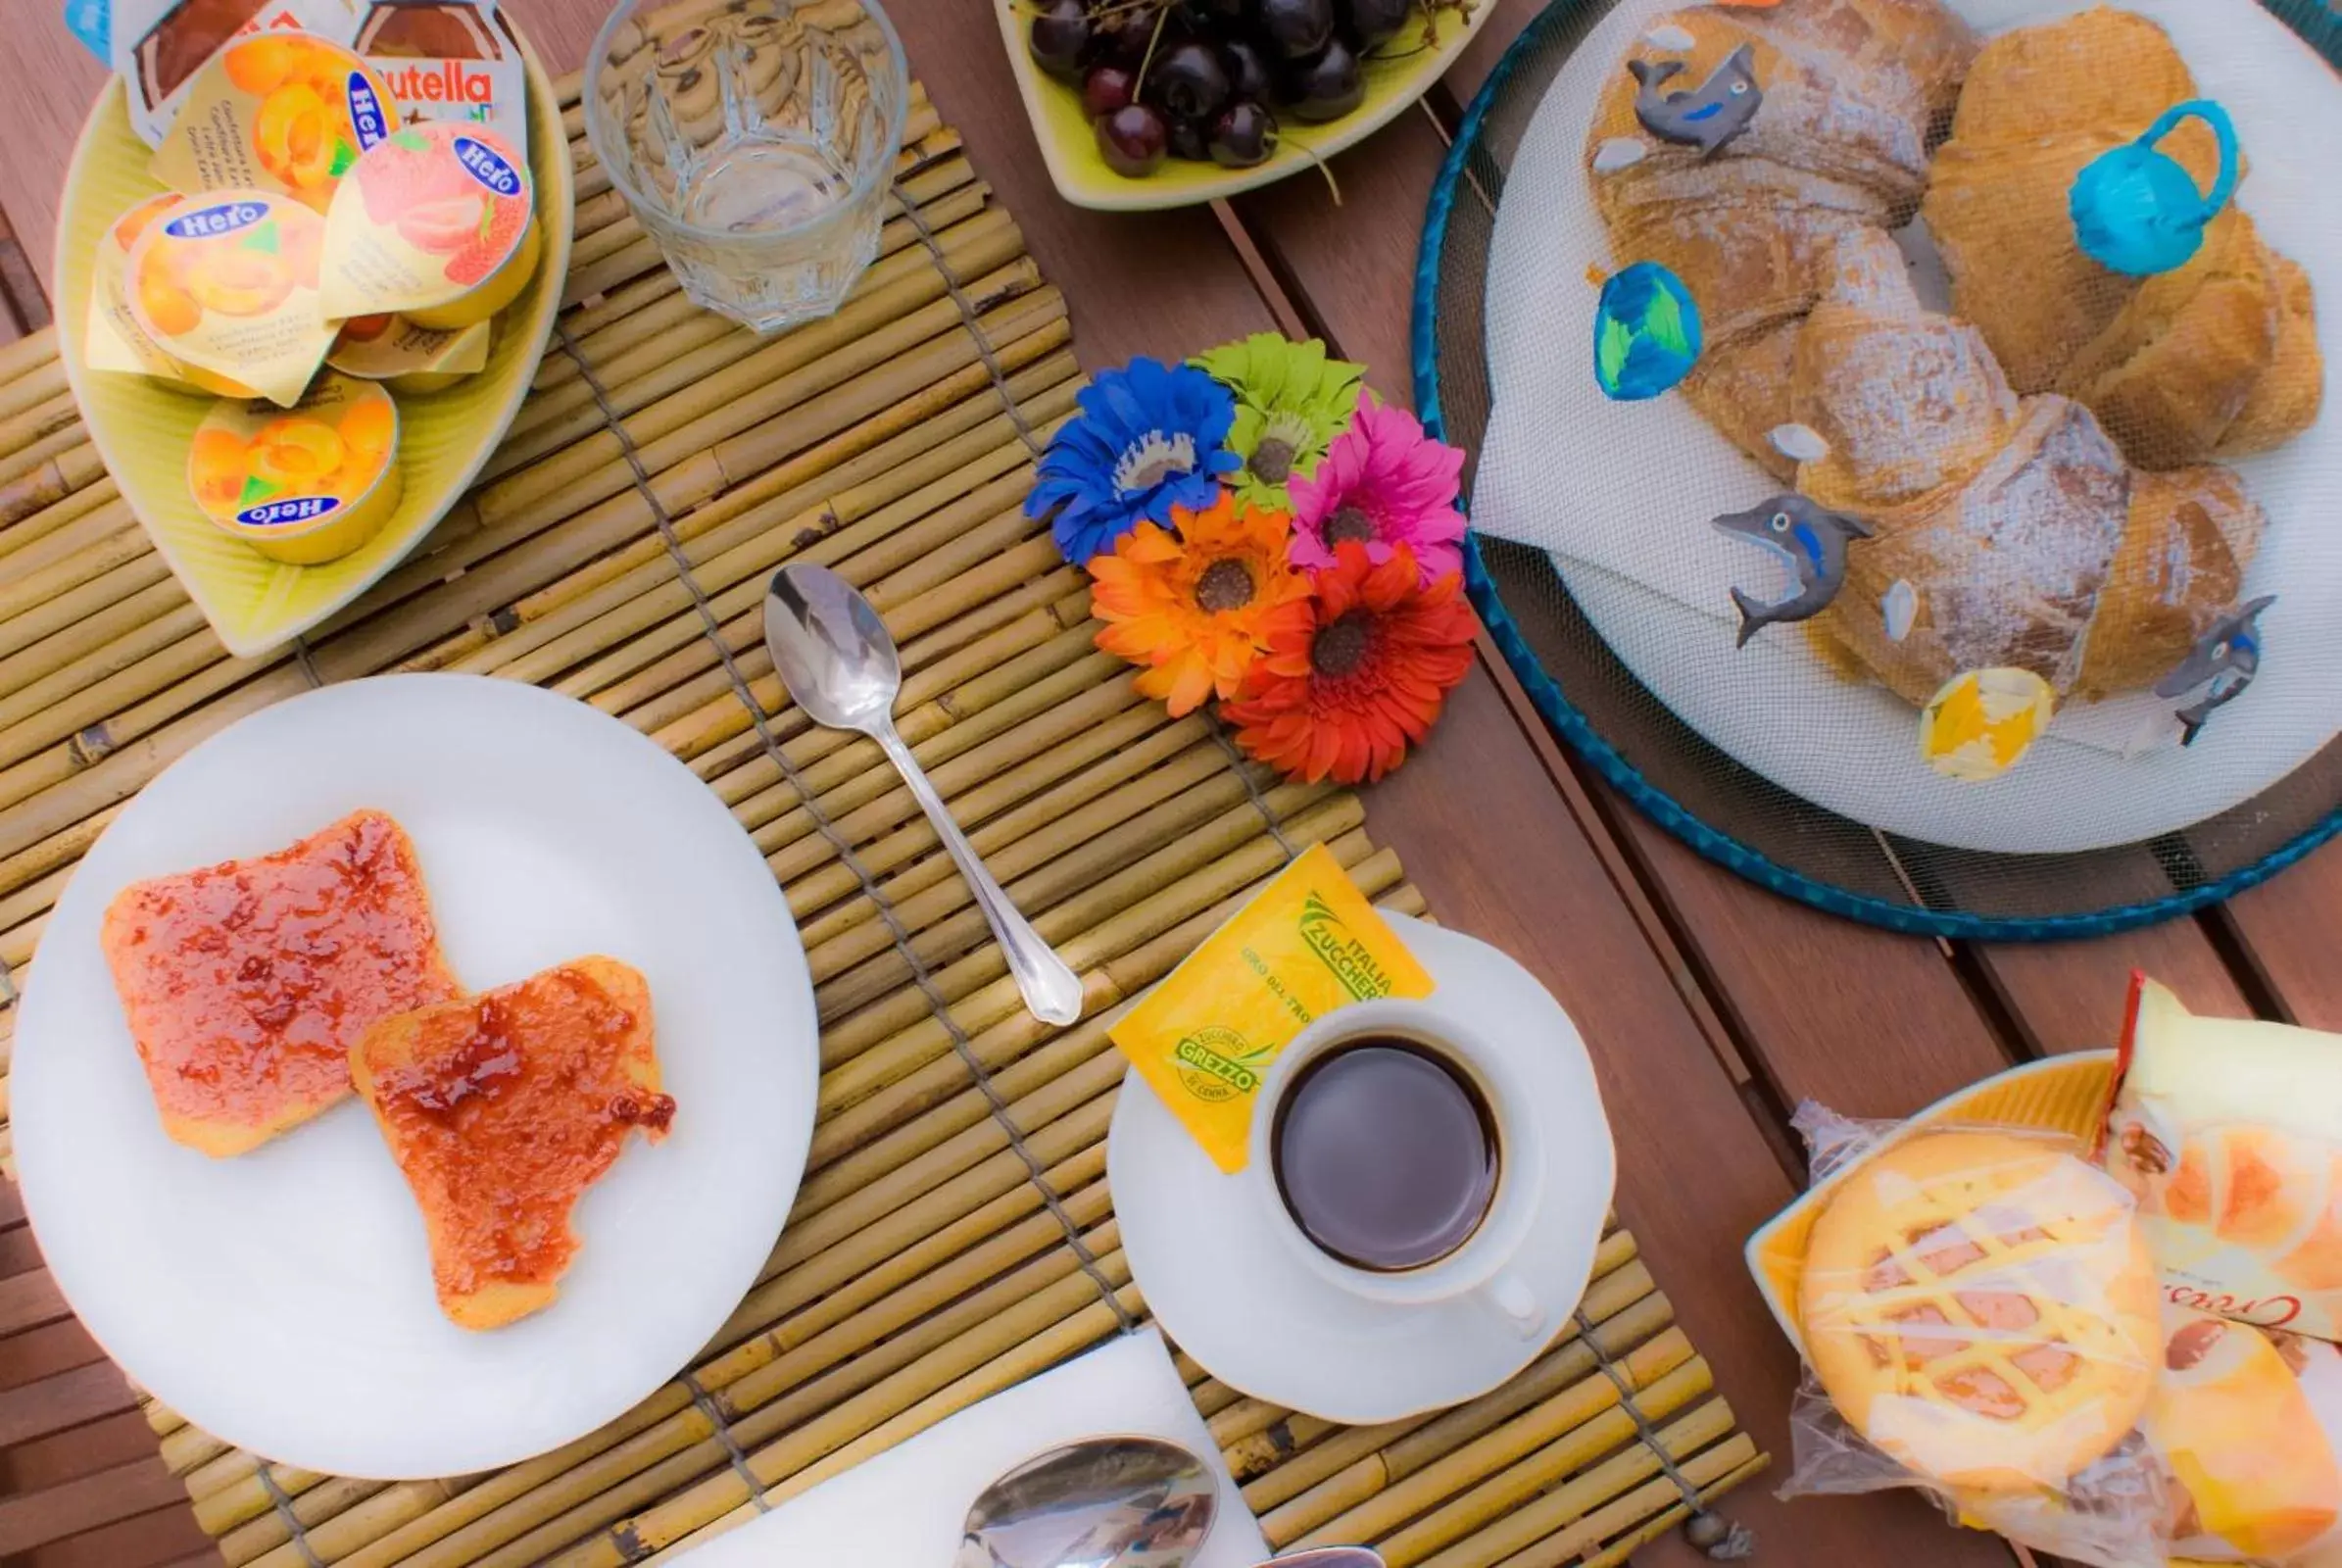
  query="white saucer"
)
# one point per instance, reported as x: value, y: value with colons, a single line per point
x: 1224, y: 1284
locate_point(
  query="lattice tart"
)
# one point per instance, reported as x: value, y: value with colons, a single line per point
x: 1983, y: 1307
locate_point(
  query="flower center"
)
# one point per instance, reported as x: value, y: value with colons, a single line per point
x: 1348, y: 523
x: 1153, y: 458
x: 1226, y: 584
x: 1341, y: 648
x: 1271, y: 461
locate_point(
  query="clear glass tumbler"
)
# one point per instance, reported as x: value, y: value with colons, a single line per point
x: 755, y: 140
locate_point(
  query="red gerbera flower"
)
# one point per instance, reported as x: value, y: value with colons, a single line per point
x: 1357, y: 671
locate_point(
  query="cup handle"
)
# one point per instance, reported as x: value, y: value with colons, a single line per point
x: 1516, y: 1303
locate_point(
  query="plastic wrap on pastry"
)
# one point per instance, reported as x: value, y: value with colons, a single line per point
x: 2230, y: 1133
x: 1980, y: 1311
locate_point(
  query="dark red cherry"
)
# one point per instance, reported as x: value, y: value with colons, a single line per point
x: 1244, y: 134
x: 1133, y: 140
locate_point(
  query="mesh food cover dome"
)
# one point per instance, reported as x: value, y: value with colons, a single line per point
x: 1906, y: 462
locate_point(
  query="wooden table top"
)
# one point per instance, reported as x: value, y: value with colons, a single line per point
x: 1712, y: 1007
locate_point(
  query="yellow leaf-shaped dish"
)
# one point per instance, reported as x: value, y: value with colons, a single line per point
x: 143, y: 429
x: 1069, y: 146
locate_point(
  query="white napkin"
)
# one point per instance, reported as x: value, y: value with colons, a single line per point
x: 904, y: 1508
x: 1621, y: 494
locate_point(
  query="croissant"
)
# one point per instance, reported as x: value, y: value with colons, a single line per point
x: 2216, y: 359
x: 1853, y: 93
x: 2010, y: 525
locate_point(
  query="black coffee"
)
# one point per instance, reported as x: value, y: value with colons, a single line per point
x: 1386, y: 1155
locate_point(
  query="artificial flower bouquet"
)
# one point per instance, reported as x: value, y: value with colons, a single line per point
x: 1262, y: 532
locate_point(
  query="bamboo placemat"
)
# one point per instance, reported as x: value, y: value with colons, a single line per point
x: 955, y: 1234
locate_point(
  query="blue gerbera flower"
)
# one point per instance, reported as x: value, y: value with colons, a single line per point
x: 1151, y: 437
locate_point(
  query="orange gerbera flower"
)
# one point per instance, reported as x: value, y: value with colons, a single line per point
x: 1358, y: 672
x: 1190, y: 610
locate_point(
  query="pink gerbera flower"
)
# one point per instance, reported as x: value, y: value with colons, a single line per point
x: 1382, y: 483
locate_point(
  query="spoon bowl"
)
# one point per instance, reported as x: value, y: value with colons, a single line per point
x: 831, y: 649
x: 1110, y: 1503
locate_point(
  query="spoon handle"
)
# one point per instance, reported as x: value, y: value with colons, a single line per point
x: 1052, y: 991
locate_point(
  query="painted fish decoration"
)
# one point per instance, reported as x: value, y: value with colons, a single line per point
x: 2220, y: 666
x: 1813, y: 541
x: 1706, y: 116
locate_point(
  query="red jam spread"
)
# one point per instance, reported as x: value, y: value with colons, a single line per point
x: 246, y: 983
x: 504, y: 1107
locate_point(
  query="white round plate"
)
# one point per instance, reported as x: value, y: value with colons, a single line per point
x: 1227, y: 1289
x: 1620, y: 494
x: 283, y: 1300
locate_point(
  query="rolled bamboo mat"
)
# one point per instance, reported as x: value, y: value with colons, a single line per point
x: 955, y: 1234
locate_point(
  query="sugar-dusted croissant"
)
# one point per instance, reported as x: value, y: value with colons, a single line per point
x: 2216, y: 359
x: 1851, y: 95
x: 2010, y: 526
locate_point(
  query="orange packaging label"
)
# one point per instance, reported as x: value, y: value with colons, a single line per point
x: 423, y: 219
x: 385, y: 348
x: 115, y: 341
x: 281, y: 112
x: 1308, y: 943
x: 230, y: 285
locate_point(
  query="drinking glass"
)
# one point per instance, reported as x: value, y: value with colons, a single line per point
x: 755, y: 140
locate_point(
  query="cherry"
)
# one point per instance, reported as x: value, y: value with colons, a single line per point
x: 1120, y: 36
x: 1058, y: 37
x: 1296, y: 27
x: 1328, y: 85
x: 1244, y: 134
x: 1187, y: 79
x: 1190, y: 139
x: 1105, y: 89
x: 1247, y: 70
x: 1372, y: 22
x: 1132, y: 140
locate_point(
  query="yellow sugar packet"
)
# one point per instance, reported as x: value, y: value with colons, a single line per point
x: 1308, y: 943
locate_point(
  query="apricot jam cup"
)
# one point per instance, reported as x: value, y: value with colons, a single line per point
x: 305, y: 484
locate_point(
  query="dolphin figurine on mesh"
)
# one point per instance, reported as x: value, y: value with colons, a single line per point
x: 1811, y: 539
x: 2220, y: 665
x: 1705, y: 117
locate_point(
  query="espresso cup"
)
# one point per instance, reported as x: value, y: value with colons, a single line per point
x: 1481, y: 1264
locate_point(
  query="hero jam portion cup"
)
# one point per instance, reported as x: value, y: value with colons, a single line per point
x: 407, y: 357
x: 437, y: 223
x: 281, y: 112
x: 228, y: 285
x: 304, y: 484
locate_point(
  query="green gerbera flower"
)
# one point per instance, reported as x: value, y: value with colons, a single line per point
x: 1290, y: 402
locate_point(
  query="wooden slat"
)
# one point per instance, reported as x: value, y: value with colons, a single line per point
x: 94, y: 1501
x: 61, y: 1400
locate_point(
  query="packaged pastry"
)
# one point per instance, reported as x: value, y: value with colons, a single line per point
x: 302, y: 484
x: 1980, y: 1307
x: 408, y: 357
x: 436, y: 223
x: 281, y: 112
x: 449, y: 60
x: 229, y: 286
x: 2246, y: 1424
x: 158, y: 46
x: 2230, y: 1133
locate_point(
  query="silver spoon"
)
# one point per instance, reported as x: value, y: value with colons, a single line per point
x: 836, y: 658
x: 1110, y: 1503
